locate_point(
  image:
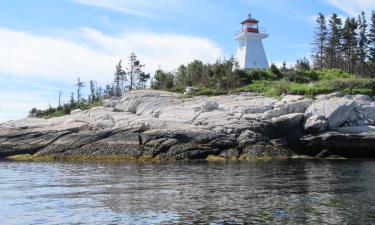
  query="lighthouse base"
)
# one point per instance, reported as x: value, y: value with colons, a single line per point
x: 250, y: 52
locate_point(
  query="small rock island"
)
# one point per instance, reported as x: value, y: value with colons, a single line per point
x: 159, y: 125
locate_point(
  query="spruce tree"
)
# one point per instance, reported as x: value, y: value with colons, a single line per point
x: 79, y: 86
x: 283, y: 67
x: 99, y: 93
x: 120, y: 79
x: 334, y: 37
x: 363, y: 43
x: 320, y: 41
x: 143, y: 78
x: 136, y: 76
x: 108, y: 91
x: 133, y: 62
x: 181, y: 76
x: 372, y: 45
x: 349, y: 45
x: 72, y: 101
x: 93, y: 96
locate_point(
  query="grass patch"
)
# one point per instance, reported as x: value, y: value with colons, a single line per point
x: 346, y: 85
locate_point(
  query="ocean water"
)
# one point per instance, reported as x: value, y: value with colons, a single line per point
x: 268, y: 192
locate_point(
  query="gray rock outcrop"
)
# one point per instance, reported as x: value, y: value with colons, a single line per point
x: 336, y: 110
x: 157, y: 125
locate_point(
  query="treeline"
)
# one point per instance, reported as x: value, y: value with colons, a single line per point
x: 219, y: 75
x: 224, y: 76
x: 347, y: 44
x: 125, y: 78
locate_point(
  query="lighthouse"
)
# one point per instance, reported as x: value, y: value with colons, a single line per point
x: 250, y: 50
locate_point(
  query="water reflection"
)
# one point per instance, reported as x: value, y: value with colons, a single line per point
x: 273, y: 192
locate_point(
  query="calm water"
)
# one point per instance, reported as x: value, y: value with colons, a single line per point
x: 275, y: 192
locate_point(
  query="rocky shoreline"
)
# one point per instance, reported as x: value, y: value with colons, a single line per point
x: 157, y: 125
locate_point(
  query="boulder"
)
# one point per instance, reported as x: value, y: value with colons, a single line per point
x: 296, y: 105
x: 190, y: 90
x: 315, y: 124
x: 363, y: 114
x: 336, y: 110
x: 344, y: 142
x: 248, y: 137
x: 362, y: 99
x: 284, y: 125
x: 209, y: 106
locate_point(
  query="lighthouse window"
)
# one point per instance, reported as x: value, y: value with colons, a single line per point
x: 252, y: 26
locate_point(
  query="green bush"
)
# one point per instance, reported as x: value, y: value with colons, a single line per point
x: 212, y: 92
x: 347, y: 86
x: 330, y: 74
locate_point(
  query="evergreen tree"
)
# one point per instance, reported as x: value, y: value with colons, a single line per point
x: 93, y: 93
x: 72, y: 101
x: 181, y: 75
x: 120, y: 79
x: 194, y: 72
x: 99, y: 93
x: 333, y: 46
x: 320, y: 41
x: 303, y: 64
x: 136, y: 76
x: 283, y: 67
x: 363, y: 43
x: 349, y: 45
x: 133, y: 63
x: 143, y: 78
x: 163, y: 80
x: 108, y: 91
x: 79, y: 86
x: 372, y: 45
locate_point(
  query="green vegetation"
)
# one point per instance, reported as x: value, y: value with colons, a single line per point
x: 347, y: 86
x: 64, y: 110
x: 301, y: 79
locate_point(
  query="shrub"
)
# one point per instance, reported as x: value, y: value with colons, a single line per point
x: 293, y: 76
x: 212, y: 92
x: 347, y: 86
x: 261, y: 74
x: 330, y: 74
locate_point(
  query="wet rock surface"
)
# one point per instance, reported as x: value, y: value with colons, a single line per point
x: 160, y: 125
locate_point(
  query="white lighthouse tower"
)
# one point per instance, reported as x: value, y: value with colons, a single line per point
x: 250, y: 50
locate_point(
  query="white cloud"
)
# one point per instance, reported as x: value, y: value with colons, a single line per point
x: 354, y: 7
x: 15, y: 106
x: 27, y: 55
x: 144, y: 8
x: 95, y: 55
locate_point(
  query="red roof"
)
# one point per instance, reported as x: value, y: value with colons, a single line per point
x: 250, y: 20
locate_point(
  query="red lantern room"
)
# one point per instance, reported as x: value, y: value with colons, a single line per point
x: 250, y: 25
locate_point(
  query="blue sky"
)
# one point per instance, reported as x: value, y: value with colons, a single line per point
x: 46, y: 44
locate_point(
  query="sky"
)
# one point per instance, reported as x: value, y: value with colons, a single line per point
x: 46, y: 44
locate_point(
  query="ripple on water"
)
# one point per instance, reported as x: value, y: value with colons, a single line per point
x: 273, y: 192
